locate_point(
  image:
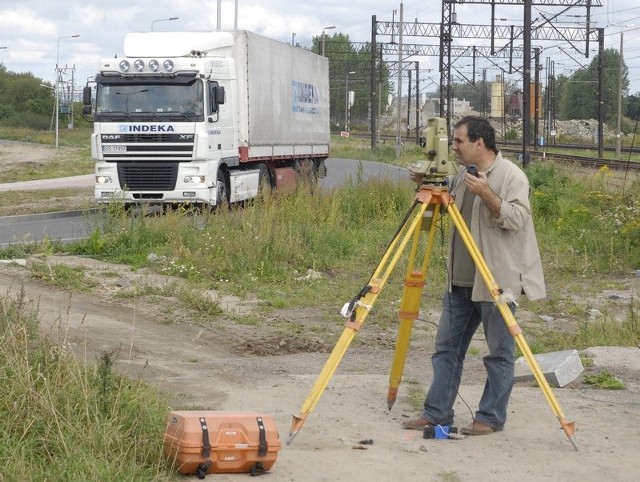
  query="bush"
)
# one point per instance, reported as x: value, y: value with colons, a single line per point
x: 27, y: 120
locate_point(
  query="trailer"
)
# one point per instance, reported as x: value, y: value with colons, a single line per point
x: 206, y: 118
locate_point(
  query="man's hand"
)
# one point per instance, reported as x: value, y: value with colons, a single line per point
x: 480, y: 187
x: 416, y: 177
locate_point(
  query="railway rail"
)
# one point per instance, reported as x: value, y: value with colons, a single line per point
x: 515, y: 149
x: 584, y: 161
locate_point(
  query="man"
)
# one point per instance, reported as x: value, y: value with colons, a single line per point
x: 495, y: 207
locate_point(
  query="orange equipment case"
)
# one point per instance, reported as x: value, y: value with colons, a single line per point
x: 211, y: 441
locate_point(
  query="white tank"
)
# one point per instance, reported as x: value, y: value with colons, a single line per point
x: 497, y: 98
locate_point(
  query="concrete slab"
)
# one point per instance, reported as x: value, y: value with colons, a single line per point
x: 559, y: 368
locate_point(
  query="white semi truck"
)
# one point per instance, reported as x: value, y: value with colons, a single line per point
x: 206, y: 118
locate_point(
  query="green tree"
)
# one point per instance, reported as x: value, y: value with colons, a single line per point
x: 23, y: 100
x: 633, y: 106
x: 579, y: 95
x: 345, y: 58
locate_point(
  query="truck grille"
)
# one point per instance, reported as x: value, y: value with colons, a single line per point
x: 147, y: 147
x: 148, y: 176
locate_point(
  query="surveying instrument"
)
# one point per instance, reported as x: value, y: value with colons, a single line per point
x: 430, y: 204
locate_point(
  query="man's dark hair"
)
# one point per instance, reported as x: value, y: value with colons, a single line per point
x: 479, y: 128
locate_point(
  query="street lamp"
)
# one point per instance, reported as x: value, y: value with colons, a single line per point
x: 347, y: 107
x: 323, y: 36
x: 58, y: 83
x: 163, y: 20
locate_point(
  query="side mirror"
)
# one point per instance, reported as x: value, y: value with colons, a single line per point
x: 218, y: 94
x: 86, y: 96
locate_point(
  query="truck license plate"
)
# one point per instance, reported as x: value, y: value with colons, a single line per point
x: 113, y: 149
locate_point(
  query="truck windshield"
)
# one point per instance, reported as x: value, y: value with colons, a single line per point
x: 137, y: 100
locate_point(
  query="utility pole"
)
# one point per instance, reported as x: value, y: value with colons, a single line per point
x: 417, y: 103
x: 374, y: 95
x: 619, y: 120
x: 399, y: 100
x: 600, y: 93
x: 409, y: 105
x: 526, y: 83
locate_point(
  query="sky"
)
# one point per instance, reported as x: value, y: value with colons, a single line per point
x: 37, y: 33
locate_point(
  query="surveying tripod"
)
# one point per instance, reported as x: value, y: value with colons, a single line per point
x: 424, y: 215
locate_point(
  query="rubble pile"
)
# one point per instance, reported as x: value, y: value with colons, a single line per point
x: 586, y: 129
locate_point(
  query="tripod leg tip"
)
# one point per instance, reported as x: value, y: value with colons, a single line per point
x: 296, y: 424
x: 392, y: 395
x: 570, y: 429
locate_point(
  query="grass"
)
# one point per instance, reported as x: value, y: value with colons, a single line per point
x: 21, y: 202
x: 62, y: 276
x: 66, y: 421
x: 360, y: 148
x: 588, y: 232
x: 605, y: 381
x: 72, y: 158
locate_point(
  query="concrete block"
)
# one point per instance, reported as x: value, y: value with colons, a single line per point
x: 559, y: 368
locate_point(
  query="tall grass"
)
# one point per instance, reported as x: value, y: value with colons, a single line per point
x: 265, y: 246
x: 65, y: 421
x: 584, y: 227
x: 587, y: 232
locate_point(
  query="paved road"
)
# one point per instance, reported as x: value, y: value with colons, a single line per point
x: 71, y: 225
x: 85, y: 180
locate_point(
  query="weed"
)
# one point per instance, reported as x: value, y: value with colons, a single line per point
x: 604, y: 380
x: 448, y: 476
x: 62, y: 276
x: 415, y: 397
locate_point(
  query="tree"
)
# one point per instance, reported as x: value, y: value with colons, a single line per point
x: 344, y: 58
x: 23, y: 102
x: 579, y: 98
x: 633, y: 106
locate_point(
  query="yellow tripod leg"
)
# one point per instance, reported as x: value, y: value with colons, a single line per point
x: 410, y: 304
x: 514, y: 328
x: 360, y: 313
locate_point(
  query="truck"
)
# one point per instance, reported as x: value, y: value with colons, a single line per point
x: 206, y: 118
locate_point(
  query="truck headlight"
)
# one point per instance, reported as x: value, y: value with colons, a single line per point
x: 194, y: 179
x: 103, y: 180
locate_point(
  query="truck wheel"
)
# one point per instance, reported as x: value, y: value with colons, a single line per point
x: 264, y: 179
x: 222, y: 188
x: 305, y: 171
x: 321, y: 169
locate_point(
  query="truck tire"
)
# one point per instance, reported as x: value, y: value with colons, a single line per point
x: 321, y: 168
x: 306, y: 171
x: 222, y: 188
x: 264, y: 179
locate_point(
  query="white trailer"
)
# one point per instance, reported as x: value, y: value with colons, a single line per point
x: 206, y: 118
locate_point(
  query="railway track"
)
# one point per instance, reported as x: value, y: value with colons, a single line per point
x: 584, y: 161
x: 515, y: 149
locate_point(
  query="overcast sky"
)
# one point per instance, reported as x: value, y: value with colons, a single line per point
x: 33, y: 31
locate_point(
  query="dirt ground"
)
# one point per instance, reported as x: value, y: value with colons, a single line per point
x: 224, y: 365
